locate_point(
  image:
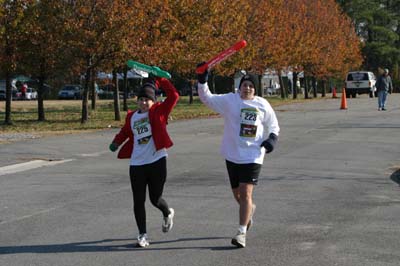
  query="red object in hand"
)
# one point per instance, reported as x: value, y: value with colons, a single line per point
x: 221, y: 56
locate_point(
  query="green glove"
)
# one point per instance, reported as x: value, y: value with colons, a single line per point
x: 113, y: 147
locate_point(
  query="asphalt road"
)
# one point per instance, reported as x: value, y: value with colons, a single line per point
x: 328, y: 195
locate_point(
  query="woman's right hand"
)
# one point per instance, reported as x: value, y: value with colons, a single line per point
x: 202, y: 77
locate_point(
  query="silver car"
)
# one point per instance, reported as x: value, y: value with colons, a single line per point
x: 70, y: 92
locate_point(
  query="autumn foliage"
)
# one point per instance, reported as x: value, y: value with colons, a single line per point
x: 302, y: 35
x: 307, y: 34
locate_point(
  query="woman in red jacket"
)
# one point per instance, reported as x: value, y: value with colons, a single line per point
x: 148, y: 140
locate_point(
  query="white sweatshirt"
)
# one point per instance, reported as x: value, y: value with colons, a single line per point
x: 247, y: 123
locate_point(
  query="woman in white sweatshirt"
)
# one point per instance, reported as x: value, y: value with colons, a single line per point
x: 250, y: 130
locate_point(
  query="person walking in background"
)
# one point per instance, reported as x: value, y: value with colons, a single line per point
x: 250, y: 130
x: 383, y: 86
x: 148, y: 140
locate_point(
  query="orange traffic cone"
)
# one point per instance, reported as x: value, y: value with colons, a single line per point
x: 344, y: 101
x: 334, y: 92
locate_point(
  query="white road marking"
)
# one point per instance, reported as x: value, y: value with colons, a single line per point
x: 306, y: 245
x: 20, y: 167
x: 95, y: 154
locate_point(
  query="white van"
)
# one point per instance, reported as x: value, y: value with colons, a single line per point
x: 360, y: 82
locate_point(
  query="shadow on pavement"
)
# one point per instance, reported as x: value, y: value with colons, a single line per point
x: 106, y: 245
x: 396, y: 177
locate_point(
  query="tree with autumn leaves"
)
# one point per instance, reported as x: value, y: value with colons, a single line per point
x: 100, y: 32
x: 12, y: 15
x: 305, y: 35
x: 42, y: 50
x: 202, y: 29
x: 313, y: 36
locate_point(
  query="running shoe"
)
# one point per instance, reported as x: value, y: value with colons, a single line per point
x: 168, y: 221
x: 239, y: 240
x: 142, y: 241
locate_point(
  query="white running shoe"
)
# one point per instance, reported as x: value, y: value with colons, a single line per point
x: 253, y: 210
x: 142, y: 241
x: 168, y: 222
x: 239, y: 240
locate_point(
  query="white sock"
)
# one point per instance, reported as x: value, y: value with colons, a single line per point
x: 243, y: 229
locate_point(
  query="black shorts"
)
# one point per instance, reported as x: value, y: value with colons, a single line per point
x: 243, y: 173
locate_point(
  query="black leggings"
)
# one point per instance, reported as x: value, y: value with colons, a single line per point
x: 154, y: 175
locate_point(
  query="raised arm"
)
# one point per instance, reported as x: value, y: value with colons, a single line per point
x: 172, y: 95
x: 217, y: 103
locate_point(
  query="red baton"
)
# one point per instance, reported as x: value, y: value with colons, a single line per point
x: 221, y: 56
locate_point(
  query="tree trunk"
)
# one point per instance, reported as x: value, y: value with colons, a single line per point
x: 41, y: 91
x: 283, y: 91
x: 41, y: 115
x: 294, y: 82
x: 117, y: 113
x: 125, y: 88
x: 7, y: 119
x: 306, y: 87
x: 93, y: 89
x: 314, y: 86
x: 85, y: 96
x: 9, y: 52
x: 260, y: 91
x: 323, y: 88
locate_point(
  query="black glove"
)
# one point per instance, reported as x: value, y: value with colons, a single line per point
x: 270, y: 143
x: 203, y: 77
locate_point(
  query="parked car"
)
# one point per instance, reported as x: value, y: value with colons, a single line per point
x: 360, y: 82
x: 30, y: 94
x: 70, y: 92
x: 106, y: 92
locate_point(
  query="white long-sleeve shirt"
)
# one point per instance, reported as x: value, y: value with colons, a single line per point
x: 247, y: 123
